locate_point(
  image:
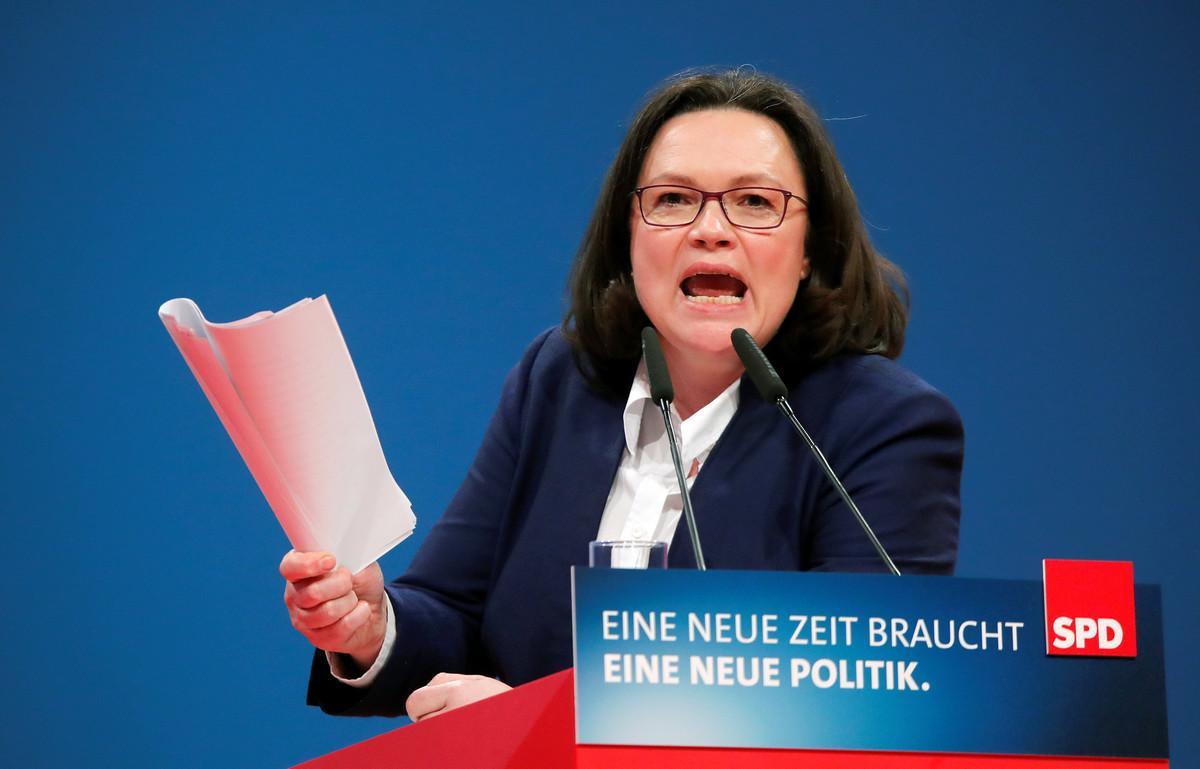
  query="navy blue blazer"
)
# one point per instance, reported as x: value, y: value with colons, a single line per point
x: 489, y: 590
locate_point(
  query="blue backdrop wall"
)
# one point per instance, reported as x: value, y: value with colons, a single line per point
x: 1031, y: 167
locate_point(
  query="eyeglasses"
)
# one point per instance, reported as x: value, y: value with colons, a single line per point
x: 754, y: 208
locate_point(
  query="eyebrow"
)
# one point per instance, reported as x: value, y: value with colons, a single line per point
x: 737, y: 181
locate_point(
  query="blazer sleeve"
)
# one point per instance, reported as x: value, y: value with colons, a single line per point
x: 899, y: 452
x: 439, y: 601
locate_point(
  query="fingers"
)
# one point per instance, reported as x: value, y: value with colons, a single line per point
x: 297, y: 565
x: 338, y: 636
x: 310, y: 593
x: 447, y: 691
x: 431, y: 699
x: 335, y: 610
x: 324, y: 614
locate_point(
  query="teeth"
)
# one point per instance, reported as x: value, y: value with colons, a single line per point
x: 714, y: 299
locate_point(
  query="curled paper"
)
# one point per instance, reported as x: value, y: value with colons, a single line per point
x: 286, y: 390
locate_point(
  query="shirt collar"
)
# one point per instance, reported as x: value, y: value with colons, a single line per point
x: 697, y: 434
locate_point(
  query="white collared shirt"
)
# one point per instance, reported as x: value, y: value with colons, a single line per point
x: 644, y: 502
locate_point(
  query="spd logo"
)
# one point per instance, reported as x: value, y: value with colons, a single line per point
x: 1089, y: 608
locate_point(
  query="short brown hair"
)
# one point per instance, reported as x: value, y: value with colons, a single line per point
x: 853, y: 300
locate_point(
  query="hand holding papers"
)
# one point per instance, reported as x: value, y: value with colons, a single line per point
x: 284, y: 386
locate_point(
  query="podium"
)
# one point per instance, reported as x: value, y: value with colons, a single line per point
x: 768, y: 669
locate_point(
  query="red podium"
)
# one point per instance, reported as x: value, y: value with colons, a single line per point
x: 533, y: 727
x: 530, y: 726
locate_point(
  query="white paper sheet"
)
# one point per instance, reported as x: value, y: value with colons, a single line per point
x: 284, y: 386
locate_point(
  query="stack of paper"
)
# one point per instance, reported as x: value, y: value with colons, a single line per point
x: 286, y: 390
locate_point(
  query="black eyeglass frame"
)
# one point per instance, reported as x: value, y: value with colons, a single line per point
x: 720, y: 198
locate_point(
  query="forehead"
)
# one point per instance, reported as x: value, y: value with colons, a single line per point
x: 719, y: 148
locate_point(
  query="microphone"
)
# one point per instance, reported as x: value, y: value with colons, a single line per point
x: 662, y: 393
x: 772, y: 389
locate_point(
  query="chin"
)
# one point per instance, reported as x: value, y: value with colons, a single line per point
x: 708, y: 339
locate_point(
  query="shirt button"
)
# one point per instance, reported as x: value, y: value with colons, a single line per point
x: 639, y: 533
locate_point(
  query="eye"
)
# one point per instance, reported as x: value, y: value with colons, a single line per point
x: 755, y: 200
x: 672, y: 198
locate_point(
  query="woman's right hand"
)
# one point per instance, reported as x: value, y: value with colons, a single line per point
x: 335, y: 610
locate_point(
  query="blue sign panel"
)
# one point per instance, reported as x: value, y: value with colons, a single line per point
x: 852, y: 662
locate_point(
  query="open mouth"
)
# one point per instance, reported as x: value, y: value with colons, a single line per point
x: 713, y: 288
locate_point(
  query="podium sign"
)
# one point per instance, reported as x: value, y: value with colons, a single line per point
x: 729, y: 659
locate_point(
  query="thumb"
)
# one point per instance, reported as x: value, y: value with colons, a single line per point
x: 368, y: 583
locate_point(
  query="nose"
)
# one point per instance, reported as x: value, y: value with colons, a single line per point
x: 711, y: 229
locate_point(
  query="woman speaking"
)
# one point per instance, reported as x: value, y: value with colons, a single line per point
x: 725, y: 207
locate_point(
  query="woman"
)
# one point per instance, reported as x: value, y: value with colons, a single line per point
x: 725, y: 207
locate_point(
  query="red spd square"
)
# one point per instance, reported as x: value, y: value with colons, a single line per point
x: 1089, y: 608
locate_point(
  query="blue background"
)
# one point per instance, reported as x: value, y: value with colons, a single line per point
x: 431, y: 167
x: 1009, y: 697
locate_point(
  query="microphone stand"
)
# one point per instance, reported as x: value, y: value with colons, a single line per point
x: 773, y: 390
x: 688, y: 515
x: 786, y: 408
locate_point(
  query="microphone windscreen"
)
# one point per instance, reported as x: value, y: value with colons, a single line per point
x: 761, y: 372
x: 656, y: 367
